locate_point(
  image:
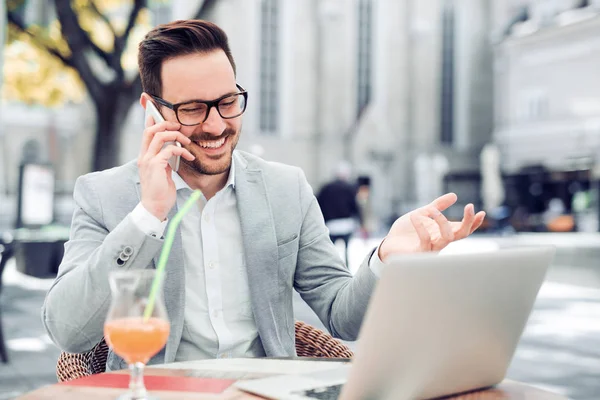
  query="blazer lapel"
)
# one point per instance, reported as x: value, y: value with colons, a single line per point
x: 260, y: 248
x: 173, y: 287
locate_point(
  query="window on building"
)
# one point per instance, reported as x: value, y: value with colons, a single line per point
x: 365, y: 41
x: 269, y: 66
x: 447, y: 92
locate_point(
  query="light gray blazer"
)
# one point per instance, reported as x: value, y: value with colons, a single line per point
x: 286, y: 246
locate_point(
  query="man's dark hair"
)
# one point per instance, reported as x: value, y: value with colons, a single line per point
x: 175, y: 39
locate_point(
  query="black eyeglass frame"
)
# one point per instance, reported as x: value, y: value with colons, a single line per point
x: 209, y: 104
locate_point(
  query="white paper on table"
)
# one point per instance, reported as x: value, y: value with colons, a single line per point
x: 251, y: 368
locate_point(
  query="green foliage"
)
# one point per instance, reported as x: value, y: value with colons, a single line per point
x: 35, y: 71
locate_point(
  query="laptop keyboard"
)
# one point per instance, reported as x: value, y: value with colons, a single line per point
x: 322, y: 393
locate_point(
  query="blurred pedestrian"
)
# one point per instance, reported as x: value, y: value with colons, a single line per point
x: 337, y: 200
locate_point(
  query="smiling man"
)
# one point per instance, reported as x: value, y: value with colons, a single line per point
x: 256, y: 236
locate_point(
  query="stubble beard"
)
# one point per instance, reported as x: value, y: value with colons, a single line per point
x: 220, y: 164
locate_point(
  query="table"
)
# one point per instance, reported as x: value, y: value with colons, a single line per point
x: 228, y: 370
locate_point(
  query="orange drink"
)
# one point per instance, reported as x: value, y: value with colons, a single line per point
x: 128, y: 331
x: 136, y: 340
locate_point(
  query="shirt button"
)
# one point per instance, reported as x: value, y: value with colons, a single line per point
x: 206, y: 218
x: 216, y: 313
x: 211, y: 265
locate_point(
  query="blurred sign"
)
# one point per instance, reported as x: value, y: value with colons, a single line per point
x: 36, y: 195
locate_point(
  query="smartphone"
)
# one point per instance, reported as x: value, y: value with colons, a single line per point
x: 153, y: 111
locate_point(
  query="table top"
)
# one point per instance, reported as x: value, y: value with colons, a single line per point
x: 212, y: 379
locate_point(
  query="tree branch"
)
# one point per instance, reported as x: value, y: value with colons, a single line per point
x: 79, y: 42
x: 137, y: 7
x: 15, y: 19
x: 103, y: 17
x: 121, y: 41
x: 115, y: 57
x: 77, y: 37
x: 204, y: 8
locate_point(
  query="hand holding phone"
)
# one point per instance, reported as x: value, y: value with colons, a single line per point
x: 151, y: 110
x: 155, y: 162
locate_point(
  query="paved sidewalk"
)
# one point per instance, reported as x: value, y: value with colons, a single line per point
x: 32, y: 354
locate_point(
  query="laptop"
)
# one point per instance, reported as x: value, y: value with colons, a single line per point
x: 436, y: 325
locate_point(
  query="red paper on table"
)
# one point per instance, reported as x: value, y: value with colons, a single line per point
x: 164, y: 383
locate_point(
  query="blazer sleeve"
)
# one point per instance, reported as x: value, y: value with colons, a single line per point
x: 76, y: 305
x: 321, y: 278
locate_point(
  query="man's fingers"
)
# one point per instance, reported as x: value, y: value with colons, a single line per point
x: 172, y: 150
x: 152, y: 129
x: 422, y: 232
x: 146, y: 137
x: 149, y: 121
x: 440, y: 204
x: 186, y: 154
x: 467, y: 223
x: 160, y: 139
x: 446, y: 231
x: 478, y: 220
x: 444, y: 202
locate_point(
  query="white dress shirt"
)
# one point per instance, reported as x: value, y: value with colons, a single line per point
x: 218, y: 319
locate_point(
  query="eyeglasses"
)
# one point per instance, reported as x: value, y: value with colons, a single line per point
x: 195, y: 112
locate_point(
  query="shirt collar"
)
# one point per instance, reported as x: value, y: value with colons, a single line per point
x: 180, y: 183
x: 231, y: 178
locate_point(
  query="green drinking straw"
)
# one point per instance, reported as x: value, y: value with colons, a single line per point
x: 164, y: 255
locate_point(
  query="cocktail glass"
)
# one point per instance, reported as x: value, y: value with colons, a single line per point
x: 128, y: 333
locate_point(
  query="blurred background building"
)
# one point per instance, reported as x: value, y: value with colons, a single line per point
x: 547, y: 109
x: 496, y: 100
x: 409, y: 92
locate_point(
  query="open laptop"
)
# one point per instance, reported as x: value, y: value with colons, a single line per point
x: 436, y: 325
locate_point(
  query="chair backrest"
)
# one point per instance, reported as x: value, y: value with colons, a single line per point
x: 310, y: 342
x: 313, y: 342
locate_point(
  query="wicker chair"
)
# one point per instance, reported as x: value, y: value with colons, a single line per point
x: 310, y: 342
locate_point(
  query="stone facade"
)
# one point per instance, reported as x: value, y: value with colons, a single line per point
x: 548, y: 97
x: 316, y: 81
x: 318, y: 85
